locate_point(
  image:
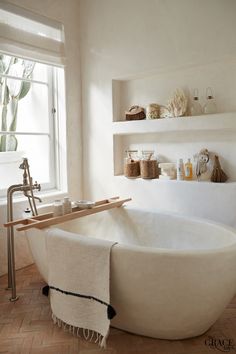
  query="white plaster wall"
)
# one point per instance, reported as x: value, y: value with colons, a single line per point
x: 68, y: 13
x: 134, y: 38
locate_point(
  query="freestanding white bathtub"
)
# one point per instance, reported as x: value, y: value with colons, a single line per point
x: 171, y: 277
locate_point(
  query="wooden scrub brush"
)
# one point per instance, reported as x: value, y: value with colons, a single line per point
x: 218, y: 175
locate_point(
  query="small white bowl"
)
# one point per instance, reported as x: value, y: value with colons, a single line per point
x: 167, y: 165
x: 84, y: 204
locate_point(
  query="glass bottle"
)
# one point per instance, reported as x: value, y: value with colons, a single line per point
x: 148, y: 165
x: 196, y: 108
x: 180, y: 170
x: 188, y: 170
x: 210, y: 106
x: 131, y: 164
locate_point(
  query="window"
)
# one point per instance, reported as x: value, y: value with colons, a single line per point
x: 28, y: 118
x: 32, y: 98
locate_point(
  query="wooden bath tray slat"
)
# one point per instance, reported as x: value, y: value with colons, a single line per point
x: 47, y: 220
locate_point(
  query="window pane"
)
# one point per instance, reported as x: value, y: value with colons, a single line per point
x: 40, y: 72
x: 27, y: 93
x: 24, y: 105
x: 36, y: 149
x: 9, y: 169
x: 33, y: 110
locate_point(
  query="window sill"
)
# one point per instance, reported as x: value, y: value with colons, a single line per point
x: 46, y: 196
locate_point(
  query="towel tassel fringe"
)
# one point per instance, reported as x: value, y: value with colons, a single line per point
x: 87, y: 334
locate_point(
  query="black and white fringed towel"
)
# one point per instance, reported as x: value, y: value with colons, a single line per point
x: 79, y: 284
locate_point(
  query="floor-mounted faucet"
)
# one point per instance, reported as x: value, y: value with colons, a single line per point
x: 27, y: 187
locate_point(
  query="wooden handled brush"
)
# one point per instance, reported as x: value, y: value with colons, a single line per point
x: 218, y: 175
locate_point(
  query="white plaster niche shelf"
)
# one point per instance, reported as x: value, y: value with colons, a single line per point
x: 174, y: 138
x: 223, y: 122
x: 180, y: 137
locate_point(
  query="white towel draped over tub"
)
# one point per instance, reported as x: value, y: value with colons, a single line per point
x: 79, y: 283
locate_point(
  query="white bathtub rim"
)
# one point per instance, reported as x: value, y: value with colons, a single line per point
x: 174, y: 214
x: 182, y: 216
x: 164, y: 212
x: 204, y: 221
x: 176, y: 252
x: 166, y: 251
x: 181, y: 252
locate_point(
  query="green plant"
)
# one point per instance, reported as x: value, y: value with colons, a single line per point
x: 12, y: 90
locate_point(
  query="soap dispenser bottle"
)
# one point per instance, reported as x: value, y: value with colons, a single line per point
x: 196, y: 108
x: 210, y: 106
x: 180, y: 170
x: 188, y: 170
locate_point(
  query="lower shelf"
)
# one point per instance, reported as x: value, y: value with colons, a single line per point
x: 174, y: 181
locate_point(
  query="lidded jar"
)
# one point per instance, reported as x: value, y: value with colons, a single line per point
x: 148, y: 165
x: 131, y: 164
x: 67, y: 207
x: 57, y: 208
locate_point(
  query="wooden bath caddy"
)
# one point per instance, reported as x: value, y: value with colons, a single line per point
x: 47, y: 220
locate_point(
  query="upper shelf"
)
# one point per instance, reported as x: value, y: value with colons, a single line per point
x: 210, y: 122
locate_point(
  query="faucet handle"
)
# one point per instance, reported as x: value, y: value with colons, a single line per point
x: 37, y: 186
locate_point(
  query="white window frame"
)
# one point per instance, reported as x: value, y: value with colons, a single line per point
x: 56, y: 134
x: 29, y: 35
x: 59, y: 121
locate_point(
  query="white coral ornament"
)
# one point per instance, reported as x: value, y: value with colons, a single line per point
x: 177, y: 105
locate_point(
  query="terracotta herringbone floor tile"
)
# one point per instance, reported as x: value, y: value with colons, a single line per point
x: 26, y: 328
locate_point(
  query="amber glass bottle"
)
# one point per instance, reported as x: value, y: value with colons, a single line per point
x: 188, y: 170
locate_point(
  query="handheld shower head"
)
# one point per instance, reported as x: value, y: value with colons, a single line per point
x: 24, y: 163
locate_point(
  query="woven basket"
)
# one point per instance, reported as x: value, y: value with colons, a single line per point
x: 135, y: 113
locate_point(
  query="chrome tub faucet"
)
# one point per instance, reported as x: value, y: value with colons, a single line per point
x: 27, y: 187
